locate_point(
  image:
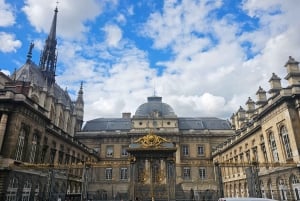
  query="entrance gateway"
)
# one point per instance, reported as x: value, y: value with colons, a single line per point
x: 152, y: 169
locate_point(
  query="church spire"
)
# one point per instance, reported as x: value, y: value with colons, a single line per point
x: 48, y: 57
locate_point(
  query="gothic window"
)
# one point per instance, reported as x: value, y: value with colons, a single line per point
x: 61, y: 121
x: 273, y: 147
x: 186, y: 173
x: 200, y: 150
x: 202, y: 173
x: 124, y: 151
x: 33, y: 148
x: 67, y: 158
x: 185, y: 150
x: 11, y: 194
x: 44, y: 150
x: 61, y: 154
x: 286, y: 142
x: 123, y: 173
x: 109, y: 151
x: 20, y: 145
x: 73, y: 157
x: 53, y: 152
x: 26, y: 191
x: 108, y: 173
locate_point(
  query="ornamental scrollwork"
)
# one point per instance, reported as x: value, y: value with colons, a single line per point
x: 151, y: 140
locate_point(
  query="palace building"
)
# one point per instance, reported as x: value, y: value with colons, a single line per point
x: 262, y: 158
x: 154, y: 154
x: 39, y: 156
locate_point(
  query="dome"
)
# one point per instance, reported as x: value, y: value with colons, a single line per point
x: 155, y: 108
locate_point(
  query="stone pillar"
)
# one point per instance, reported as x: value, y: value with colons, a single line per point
x: 3, y: 123
x: 132, y: 178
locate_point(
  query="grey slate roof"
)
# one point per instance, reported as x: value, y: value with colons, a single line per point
x: 108, y: 124
x: 201, y: 123
x: 30, y: 72
x: 188, y: 123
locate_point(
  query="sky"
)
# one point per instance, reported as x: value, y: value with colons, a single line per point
x: 203, y: 57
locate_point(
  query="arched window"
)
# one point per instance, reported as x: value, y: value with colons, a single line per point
x: 262, y: 189
x: 282, y: 189
x: 295, y: 187
x: 11, y: 194
x: 33, y: 149
x: 270, y: 190
x: 286, y: 142
x: 20, y: 145
x: 273, y: 147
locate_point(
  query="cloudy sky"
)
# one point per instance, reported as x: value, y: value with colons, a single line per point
x: 204, y: 57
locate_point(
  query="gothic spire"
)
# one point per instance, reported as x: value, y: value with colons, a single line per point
x: 48, y: 57
x: 29, y: 54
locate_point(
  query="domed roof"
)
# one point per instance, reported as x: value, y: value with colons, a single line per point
x: 155, y: 108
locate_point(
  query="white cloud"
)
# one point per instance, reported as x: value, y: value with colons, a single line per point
x: 209, y: 72
x: 71, y: 19
x: 113, y: 35
x: 7, y: 17
x: 8, y: 43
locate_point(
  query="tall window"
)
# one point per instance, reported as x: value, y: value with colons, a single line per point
x: 53, y: 152
x: 123, y: 173
x: 255, y: 156
x: 20, y: 145
x: 200, y: 150
x: 26, y: 191
x: 61, y: 154
x: 124, y: 151
x: 273, y: 147
x: 109, y: 151
x: 185, y: 150
x: 33, y: 149
x: 108, y: 173
x: 286, y: 142
x: 202, y: 173
x: 11, y: 194
x: 264, y: 151
x: 186, y: 173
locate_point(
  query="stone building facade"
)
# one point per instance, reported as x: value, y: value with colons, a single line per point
x: 38, y: 120
x: 153, y: 154
x: 262, y: 158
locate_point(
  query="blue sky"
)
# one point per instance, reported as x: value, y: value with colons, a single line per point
x: 204, y: 57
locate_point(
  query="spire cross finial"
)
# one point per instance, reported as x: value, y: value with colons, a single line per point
x: 57, y: 2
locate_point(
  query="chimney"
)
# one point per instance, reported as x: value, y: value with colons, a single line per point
x: 126, y: 115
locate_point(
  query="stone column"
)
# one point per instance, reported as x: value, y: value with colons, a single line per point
x: 3, y: 123
x: 132, y: 178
